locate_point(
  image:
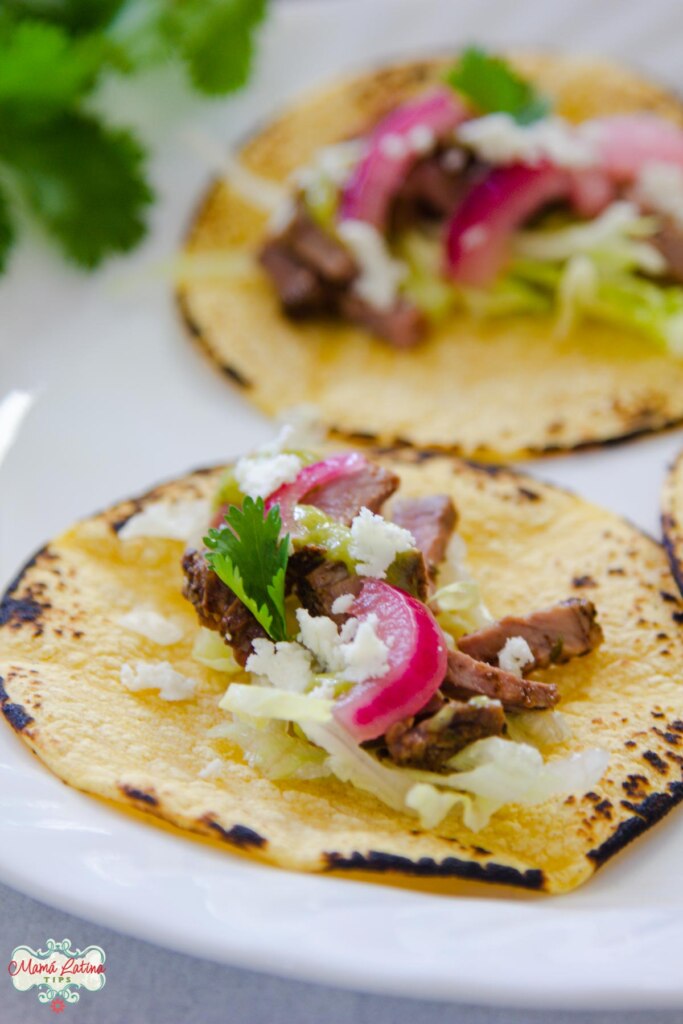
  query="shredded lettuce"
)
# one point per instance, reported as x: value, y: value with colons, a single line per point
x: 541, y: 728
x: 281, y: 705
x: 460, y: 608
x: 271, y: 748
x: 614, y: 239
x: 211, y: 650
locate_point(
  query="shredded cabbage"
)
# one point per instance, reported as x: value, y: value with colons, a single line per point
x: 268, y: 702
x: 270, y: 747
x: 614, y: 239
x: 542, y: 728
x: 460, y: 608
x: 210, y: 649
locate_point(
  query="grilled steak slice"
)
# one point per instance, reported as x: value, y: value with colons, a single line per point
x: 319, y: 250
x: 431, y: 521
x: 298, y: 288
x: 409, y: 572
x: 320, y: 588
x: 343, y: 499
x: 556, y: 634
x: 433, y: 188
x: 466, y: 678
x: 403, y: 325
x: 217, y: 607
x: 669, y: 241
x: 429, y: 743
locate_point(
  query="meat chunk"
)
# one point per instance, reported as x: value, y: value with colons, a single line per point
x: 318, y: 249
x: 431, y: 521
x: 431, y: 742
x: 320, y: 588
x: 342, y: 499
x: 403, y: 325
x: 433, y: 188
x: 409, y: 572
x: 555, y: 634
x: 217, y: 607
x: 669, y: 241
x: 298, y: 288
x: 467, y: 678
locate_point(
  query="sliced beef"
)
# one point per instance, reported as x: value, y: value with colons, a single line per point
x: 431, y: 521
x: 403, y: 325
x: 342, y: 499
x: 433, y: 188
x: 669, y: 241
x: 217, y: 607
x: 321, y: 586
x: 409, y: 572
x: 298, y: 288
x: 556, y: 634
x: 467, y: 678
x: 318, y: 249
x: 430, y: 742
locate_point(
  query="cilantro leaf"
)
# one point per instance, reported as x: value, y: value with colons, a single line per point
x: 84, y: 182
x: 6, y: 231
x: 77, y: 16
x: 43, y: 71
x: 250, y: 557
x: 216, y: 39
x: 492, y: 86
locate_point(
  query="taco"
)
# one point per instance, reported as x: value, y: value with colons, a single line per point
x: 483, y: 258
x: 333, y: 677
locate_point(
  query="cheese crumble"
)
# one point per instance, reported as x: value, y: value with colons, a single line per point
x: 660, y: 188
x: 499, y: 139
x: 158, y: 675
x: 259, y: 475
x: 375, y: 542
x: 285, y: 665
x: 174, y: 520
x: 153, y: 626
x: 380, y: 274
x: 515, y: 655
x: 355, y: 654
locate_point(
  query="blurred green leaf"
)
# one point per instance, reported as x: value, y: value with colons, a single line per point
x: 216, y: 39
x: 85, y: 183
x: 492, y: 86
x: 6, y: 231
x: 77, y: 16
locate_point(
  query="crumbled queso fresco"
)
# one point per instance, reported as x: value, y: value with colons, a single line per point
x: 375, y: 543
x: 356, y: 652
x: 515, y: 655
x: 259, y: 475
x: 157, y: 675
x: 499, y: 139
x: 153, y: 626
x: 380, y: 274
x: 174, y: 520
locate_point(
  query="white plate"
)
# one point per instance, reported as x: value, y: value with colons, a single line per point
x: 123, y: 401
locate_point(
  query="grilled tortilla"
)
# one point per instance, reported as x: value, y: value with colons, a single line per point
x: 672, y: 518
x: 493, y: 390
x: 62, y: 648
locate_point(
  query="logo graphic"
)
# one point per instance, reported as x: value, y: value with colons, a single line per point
x: 58, y: 972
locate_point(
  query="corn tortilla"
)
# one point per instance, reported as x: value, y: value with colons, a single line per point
x: 62, y: 647
x: 495, y: 391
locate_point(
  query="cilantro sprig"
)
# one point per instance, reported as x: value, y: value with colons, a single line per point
x: 250, y: 557
x: 83, y: 180
x: 492, y: 86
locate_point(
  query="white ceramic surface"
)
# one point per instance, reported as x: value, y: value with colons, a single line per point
x: 123, y: 400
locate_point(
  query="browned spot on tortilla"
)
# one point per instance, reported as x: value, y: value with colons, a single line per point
x: 238, y: 835
x: 653, y: 758
x: 138, y: 794
x: 428, y: 867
